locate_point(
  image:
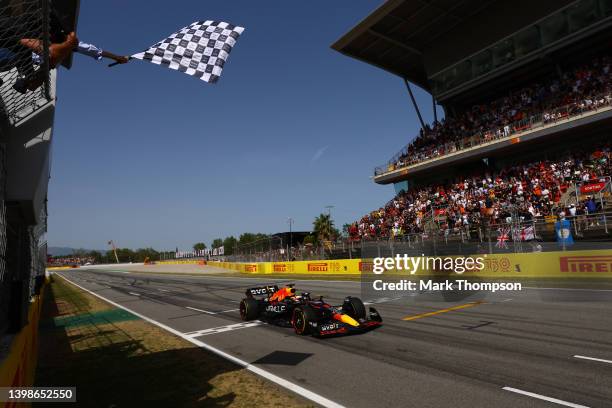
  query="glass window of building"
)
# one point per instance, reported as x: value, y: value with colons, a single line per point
x: 553, y: 28
x: 503, y: 52
x: 482, y: 63
x: 582, y: 14
x: 527, y: 41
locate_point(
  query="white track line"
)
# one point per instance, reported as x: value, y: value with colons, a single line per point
x: 227, y: 311
x: 545, y: 398
x: 134, y: 293
x: 594, y: 359
x: 199, y: 310
x: 223, y: 329
x: 256, y: 370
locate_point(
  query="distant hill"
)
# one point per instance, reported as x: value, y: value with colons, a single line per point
x: 63, y: 251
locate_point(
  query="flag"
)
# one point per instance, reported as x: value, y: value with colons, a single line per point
x: 503, y: 235
x: 564, y: 233
x: 524, y: 234
x: 200, y: 49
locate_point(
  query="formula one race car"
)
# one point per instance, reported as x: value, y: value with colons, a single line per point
x: 283, y: 306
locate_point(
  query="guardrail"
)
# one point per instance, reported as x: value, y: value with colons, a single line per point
x: 497, y: 134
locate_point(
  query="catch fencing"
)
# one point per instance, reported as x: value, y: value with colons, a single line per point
x: 20, y: 67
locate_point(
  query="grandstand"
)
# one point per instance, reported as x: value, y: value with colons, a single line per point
x: 26, y: 134
x: 526, y: 88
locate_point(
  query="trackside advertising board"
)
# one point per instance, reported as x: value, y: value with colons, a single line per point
x: 568, y: 264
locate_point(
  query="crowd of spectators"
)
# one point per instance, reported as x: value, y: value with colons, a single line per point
x: 70, y: 261
x: 583, y: 88
x: 522, y: 192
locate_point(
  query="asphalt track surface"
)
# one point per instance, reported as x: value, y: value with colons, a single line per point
x: 515, y: 349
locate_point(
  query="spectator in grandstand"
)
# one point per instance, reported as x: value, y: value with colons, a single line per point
x: 525, y: 191
x: 586, y: 87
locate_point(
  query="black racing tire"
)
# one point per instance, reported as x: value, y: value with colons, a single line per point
x: 302, y: 316
x: 249, y: 309
x: 354, y: 307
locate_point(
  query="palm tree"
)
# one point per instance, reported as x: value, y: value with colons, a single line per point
x: 323, y: 227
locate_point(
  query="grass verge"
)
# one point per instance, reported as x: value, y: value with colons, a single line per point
x: 121, y: 362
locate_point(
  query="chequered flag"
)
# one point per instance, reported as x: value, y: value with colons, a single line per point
x: 200, y: 49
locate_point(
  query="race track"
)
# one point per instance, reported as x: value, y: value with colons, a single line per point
x: 515, y: 349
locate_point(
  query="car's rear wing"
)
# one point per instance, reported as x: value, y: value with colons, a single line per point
x: 261, y: 291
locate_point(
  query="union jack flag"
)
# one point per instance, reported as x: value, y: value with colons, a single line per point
x: 503, y: 236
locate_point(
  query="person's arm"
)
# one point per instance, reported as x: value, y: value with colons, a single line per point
x: 119, y: 59
x: 97, y: 53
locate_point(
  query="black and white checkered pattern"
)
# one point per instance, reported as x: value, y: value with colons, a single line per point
x: 200, y: 49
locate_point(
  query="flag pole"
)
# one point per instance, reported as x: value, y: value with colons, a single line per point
x: 117, y: 63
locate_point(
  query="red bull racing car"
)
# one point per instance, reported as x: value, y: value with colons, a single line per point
x: 283, y: 306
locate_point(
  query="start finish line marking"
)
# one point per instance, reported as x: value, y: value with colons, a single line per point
x: 437, y: 312
x: 223, y: 329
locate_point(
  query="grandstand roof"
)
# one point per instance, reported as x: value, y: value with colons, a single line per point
x: 395, y: 35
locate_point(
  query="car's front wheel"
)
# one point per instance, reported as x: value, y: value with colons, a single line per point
x: 354, y: 307
x: 301, y: 319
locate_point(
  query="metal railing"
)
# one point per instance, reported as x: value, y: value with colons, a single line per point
x: 405, y: 158
x: 589, y: 231
x: 20, y: 67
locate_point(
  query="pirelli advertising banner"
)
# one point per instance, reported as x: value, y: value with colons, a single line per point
x: 568, y: 264
x: 561, y: 264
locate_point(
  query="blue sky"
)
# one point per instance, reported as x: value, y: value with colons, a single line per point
x: 152, y: 157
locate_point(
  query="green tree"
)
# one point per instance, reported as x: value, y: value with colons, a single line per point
x: 97, y: 256
x: 143, y: 253
x: 310, y: 239
x: 229, y: 244
x: 323, y: 228
x: 217, y: 242
x: 199, y: 246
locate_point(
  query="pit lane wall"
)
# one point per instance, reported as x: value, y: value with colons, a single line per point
x: 561, y: 264
x: 18, y: 366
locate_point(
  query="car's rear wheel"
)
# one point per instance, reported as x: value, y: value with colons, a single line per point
x: 302, y: 316
x: 354, y: 307
x: 249, y: 309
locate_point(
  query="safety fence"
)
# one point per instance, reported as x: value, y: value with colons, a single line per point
x: 588, y: 231
x: 24, y: 89
x: 24, y: 73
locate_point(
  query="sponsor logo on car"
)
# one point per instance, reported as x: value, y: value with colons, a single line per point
x: 276, y: 308
x: 262, y: 291
x: 329, y: 326
x: 585, y: 263
x: 317, y: 267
